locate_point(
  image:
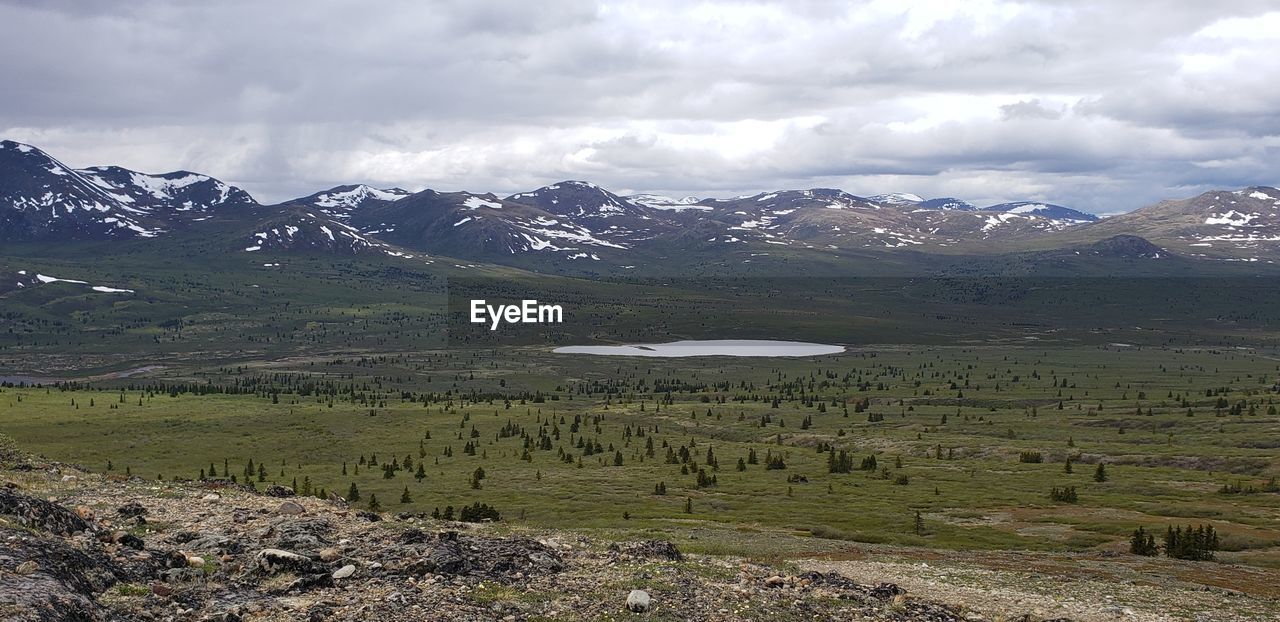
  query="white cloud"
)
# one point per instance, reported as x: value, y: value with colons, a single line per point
x: 1104, y: 105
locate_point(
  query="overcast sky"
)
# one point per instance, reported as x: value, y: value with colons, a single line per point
x: 1105, y: 106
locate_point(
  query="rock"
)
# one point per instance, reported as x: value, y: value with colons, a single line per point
x: 647, y: 549
x: 369, y: 516
x: 195, y: 561
x: 887, y: 590
x: 447, y: 557
x: 774, y: 581
x: 306, y: 535
x: 160, y: 589
x: 62, y: 585
x: 638, y: 601
x: 344, y: 571
x: 276, y: 490
x: 277, y: 560
x: 291, y: 508
x: 124, y: 538
x: 330, y: 554
x: 69, y: 478
x: 213, y: 496
x: 40, y: 514
x: 132, y: 509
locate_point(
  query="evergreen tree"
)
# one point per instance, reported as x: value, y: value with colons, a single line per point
x: 1100, y: 473
x: 1143, y: 543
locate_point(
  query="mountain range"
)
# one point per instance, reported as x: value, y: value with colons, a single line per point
x: 43, y: 201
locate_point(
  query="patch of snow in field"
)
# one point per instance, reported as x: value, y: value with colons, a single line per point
x: 97, y: 288
x: 49, y: 279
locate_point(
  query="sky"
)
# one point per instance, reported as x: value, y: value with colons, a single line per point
x: 1103, y: 106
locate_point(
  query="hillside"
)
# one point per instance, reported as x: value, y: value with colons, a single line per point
x: 118, y: 548
x: 88, y: 546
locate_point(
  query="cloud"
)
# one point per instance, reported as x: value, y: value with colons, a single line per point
x: 1070, y: 102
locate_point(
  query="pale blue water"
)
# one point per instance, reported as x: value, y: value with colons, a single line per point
x: 717, y: 347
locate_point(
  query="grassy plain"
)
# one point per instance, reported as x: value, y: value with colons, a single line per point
x: 1172, y: 425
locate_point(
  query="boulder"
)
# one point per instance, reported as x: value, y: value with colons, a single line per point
x: 40, y: 514
x: 638, y: 601
x: 273, y: 561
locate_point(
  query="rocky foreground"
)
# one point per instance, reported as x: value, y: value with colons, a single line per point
x: 81, y: 546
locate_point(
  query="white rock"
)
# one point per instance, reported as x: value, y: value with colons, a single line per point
x: 638, y: 601
x: 213, y: 496
x: 344, y: 571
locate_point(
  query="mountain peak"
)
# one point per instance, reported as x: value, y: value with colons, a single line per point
x: 580, y: 199
x: 897, y: 198
x: 16, y: 146
x: 339, y: 200
x: 1044, y: 210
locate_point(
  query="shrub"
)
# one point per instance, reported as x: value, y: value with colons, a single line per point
x: 478, y: 512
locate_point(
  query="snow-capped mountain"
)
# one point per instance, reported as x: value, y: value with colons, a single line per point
x: 179, y: 191
x: 657, y: 201
x: 1044, y: 210
x: 580, y: 199
x: 580, y: 223
x: 469, y: 224
x: 896, y: 198
x: 947, y: 203
x: 341, y: 201
x: 1234, y: 225
x: 41, y: 198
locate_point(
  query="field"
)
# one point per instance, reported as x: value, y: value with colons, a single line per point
x: 1187, y: 436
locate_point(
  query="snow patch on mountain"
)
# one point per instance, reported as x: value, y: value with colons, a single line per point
x: 356, y: 196
x: 896, y: 198
x: 477, y: 203
x: 666, y: 203
x: 1233, y: 219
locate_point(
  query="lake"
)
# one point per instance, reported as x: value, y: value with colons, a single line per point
x: 716, y: 347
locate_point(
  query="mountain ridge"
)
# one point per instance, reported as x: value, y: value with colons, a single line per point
x: 43, y: 200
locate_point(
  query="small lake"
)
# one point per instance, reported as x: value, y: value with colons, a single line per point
x: 718, y: 347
